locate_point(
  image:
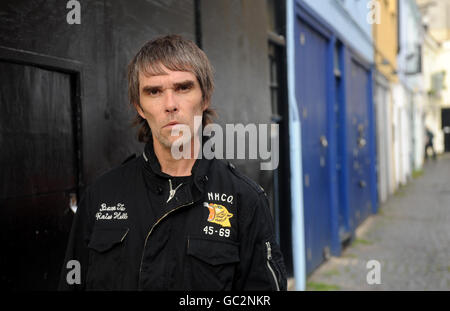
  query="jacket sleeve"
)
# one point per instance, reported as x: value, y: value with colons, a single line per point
x: 261, y: 262
x: 73, y: 272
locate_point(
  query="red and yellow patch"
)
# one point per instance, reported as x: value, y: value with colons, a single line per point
x: 218, y: 214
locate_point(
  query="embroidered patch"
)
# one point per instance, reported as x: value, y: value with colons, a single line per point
x: 111, y: 212
x: 218, y: 214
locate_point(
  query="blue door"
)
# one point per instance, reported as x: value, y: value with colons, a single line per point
x: 344, y: 229
x: 311, y: 93
x: 358, y: 143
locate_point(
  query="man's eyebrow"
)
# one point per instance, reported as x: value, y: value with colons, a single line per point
x: 186, y: 83
x: 148, y: 88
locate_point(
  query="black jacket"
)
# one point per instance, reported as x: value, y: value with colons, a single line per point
x: 215, y: 233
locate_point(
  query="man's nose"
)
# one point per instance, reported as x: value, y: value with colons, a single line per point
x: 170, y: 101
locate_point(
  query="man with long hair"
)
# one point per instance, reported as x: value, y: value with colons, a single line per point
x: 163, y: 223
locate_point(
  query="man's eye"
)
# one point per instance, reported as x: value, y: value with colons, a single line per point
x: 154, y: 92
x: 184, y: 88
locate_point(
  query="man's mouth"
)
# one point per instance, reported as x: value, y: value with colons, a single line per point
x: 173, y: 123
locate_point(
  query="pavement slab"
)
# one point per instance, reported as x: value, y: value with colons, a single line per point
x: 409, y: 238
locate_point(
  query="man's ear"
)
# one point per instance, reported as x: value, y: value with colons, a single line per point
x: 139, y: 110
x: 205, y: 104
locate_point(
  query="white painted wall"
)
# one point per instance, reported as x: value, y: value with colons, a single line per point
x: 410, y: 97
x: 381, y: 101
x: 432, y: 109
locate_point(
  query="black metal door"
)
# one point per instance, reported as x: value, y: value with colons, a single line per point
x: 38, y: 174
x: 446, y: 128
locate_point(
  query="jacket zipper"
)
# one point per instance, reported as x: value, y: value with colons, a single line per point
x: 123, y: 237
x: 150, y: 232
x: 269, y: 259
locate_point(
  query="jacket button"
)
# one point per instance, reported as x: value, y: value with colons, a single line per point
x: 159, y: 190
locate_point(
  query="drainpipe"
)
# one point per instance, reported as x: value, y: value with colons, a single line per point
x: 298, y: 231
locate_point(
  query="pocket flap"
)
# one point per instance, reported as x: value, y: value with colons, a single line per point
x: 213, y: 252
x: 103, y: 239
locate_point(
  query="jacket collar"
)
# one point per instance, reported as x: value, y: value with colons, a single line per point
x: 159, y: 179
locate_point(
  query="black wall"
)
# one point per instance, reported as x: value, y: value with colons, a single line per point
x: 233, y: 33
x: 234, y: 37
x: 445, y: 116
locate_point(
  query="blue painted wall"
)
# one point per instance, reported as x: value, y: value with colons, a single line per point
x: 334, y: 97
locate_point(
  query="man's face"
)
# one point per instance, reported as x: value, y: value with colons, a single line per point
x: 167, y: 100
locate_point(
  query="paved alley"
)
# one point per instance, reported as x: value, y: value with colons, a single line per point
x: 409, y: 237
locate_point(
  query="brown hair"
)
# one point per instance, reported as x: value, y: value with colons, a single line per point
x: 176, y: 54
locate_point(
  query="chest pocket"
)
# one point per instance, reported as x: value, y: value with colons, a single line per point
x: 210, y: 264
x: 105, y: 271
